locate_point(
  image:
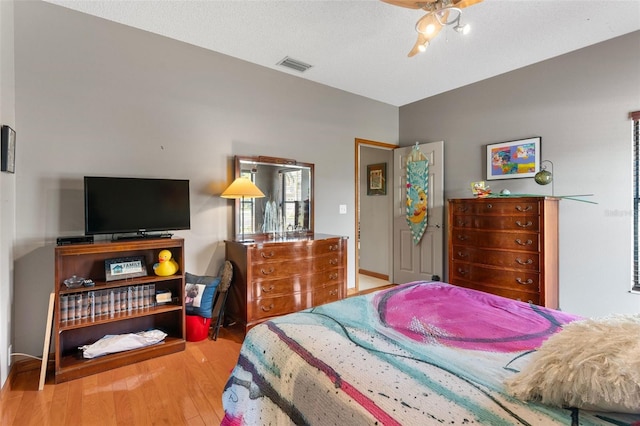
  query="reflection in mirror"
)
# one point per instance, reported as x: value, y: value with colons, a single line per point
x: 287, y: 206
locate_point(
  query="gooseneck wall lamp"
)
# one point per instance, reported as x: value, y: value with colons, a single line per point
x: 545, y: 177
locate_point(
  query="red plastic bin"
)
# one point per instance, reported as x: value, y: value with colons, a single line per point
x: 197, y: 328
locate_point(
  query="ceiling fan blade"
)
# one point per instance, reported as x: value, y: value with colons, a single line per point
x: 461, y: 4
x: 425, y: 34
x: 416, y: 47
x: 411, y: 4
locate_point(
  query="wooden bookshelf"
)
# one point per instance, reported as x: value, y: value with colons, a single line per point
x: 95, y: 321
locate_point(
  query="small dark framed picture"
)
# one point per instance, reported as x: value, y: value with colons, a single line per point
x: 513, y: 159
x: 125, y: 267
x: 8, y: 150
x: 377, y: 179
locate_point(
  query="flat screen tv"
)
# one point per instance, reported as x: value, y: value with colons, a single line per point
x: 119, y: 205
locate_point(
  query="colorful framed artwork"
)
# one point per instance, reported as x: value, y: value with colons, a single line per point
x: 514, y: 159
x: 377, y: 179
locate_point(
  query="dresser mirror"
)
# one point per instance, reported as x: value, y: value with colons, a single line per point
x: 287, y: 206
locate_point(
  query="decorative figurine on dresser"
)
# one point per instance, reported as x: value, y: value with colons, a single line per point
x: 506, y: 246
x: 281, y: 266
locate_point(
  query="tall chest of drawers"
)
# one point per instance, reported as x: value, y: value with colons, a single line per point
x: 273, y: 277
x: 506, y: 246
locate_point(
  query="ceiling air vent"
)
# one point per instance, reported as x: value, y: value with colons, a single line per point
x: 294, y: 64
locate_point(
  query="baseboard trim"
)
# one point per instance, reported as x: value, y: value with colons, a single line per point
x: 373, y: 274
x: 18, y: 367
x: 23, y: 366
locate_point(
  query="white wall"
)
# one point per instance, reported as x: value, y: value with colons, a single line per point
x: 579, y: 104
x: 98, y: 98
x: 7, y: 186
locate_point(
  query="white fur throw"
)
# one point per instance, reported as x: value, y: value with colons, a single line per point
x: 592, y: 364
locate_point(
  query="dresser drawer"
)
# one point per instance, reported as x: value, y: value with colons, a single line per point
x: 496, y: 206
x: 294, y: 250
x: 296, y: 284
x: 281, y: 286
x: 528, y: 241
x: 273, y: 306
x: 280, y: 252
x: 333, y: 245
x: 329, y: 293
x: 303, y: 266
x: 512, y: 223
x: 506, y: 259
x: 514, y: 280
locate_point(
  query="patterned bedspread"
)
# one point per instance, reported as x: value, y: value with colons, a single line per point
x: 417, y: 354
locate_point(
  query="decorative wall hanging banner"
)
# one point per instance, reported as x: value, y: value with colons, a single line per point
x: 417, y: 190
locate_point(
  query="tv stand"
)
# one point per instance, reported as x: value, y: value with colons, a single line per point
x: 141, y: 236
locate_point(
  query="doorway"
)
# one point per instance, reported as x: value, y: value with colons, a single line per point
x: 406, y: 262
x: 373, y: 216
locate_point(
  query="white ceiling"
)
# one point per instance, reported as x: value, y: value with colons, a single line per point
x: 361, y: 46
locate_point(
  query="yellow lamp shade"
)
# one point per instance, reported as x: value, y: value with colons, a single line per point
x: 242, y: 187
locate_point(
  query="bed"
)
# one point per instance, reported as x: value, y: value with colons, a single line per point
x: 417, y: 354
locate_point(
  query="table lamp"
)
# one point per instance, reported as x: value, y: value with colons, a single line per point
x: 242, y: 188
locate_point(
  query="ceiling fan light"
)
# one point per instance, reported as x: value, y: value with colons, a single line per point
x: 423, y: 46
x: 462, y: 29
x: 430, y: 29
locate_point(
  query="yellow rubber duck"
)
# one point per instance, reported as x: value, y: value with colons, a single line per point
x: 166, y: 266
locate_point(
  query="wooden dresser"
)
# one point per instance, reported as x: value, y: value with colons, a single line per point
x: 506, y: 246
x: 276, y: 277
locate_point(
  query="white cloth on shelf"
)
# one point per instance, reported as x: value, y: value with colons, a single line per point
x: 122, y: 342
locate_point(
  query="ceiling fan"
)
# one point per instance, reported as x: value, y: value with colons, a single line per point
x: 440, y: 13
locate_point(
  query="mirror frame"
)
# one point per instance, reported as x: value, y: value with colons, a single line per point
x: 274, y: 161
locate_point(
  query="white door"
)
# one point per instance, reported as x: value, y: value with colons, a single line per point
x: 423, y: 261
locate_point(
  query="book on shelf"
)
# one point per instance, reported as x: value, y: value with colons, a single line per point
x: 163, y: 297
x: 96, y: 304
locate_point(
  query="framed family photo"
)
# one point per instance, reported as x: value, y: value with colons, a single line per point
x: 377, y: 179
x: 125, y: 267
x: 513, y: 159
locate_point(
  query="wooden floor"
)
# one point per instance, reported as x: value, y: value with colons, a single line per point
x: 178, y: 389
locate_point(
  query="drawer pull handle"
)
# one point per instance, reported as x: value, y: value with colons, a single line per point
x: 462, y: 223
x: 463, y: 208
x: 489, y: 206
x: 333, y: 276
x: 527, y: 282
x: 524, y: 209
x: 334, y: 247
x: 267, y: 290
x: 269, y: 272
x: 461, y: 271
x: 462, y: 254
x: 266, y: 308
x: 522, y: 262
x: 333, y: 292
x: 267, y: 256
x: 462, y: 237
x: 523, y: 243
x: 524, y: 225
x: 333, y: 262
